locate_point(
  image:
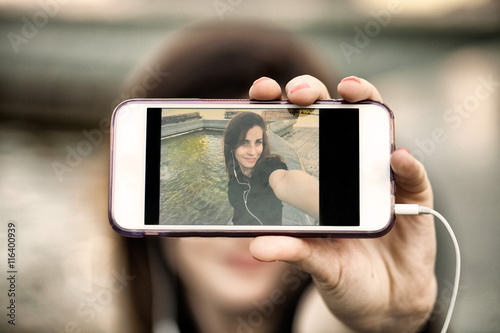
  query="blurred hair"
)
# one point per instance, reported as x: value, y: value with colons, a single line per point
x: 221, y: 60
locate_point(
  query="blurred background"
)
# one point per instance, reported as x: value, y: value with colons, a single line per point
x: 62, y: 69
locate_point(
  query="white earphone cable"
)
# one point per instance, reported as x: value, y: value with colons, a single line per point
x: 413, y: 209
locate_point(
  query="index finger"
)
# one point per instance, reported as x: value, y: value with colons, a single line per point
x: 265, y: 89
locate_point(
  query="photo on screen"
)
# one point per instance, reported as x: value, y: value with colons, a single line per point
x: 192, y: 180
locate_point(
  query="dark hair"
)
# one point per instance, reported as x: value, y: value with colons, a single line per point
x: 210, y: 60
x: 222, y: 59
x: 236, y: 131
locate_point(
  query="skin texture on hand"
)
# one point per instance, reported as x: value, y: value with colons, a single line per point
x: 385, y: 284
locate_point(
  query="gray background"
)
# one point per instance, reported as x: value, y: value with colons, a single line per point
x: 59, y: 85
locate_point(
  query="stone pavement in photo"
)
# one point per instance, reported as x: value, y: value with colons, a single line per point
x: 300, y: 149
x: 305, y: 141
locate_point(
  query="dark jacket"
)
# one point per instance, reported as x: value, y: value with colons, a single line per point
x: 253, y: 199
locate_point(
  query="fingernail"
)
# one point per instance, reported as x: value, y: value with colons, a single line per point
x: 264, y: 260
x: 264, y: 78
x: 404, y: 149
x: 298, y: 86
x: 351, y: 78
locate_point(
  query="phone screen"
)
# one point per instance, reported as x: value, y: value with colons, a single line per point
x: 191, y: 179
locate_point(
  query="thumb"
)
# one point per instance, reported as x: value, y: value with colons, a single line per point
x: 279, y: 248
x: 413, y: 185
x: 307, y: 254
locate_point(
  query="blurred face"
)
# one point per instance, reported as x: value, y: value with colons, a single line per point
x: 249, y: 150
x: 221, y: 272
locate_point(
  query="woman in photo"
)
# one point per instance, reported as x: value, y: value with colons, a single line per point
x: 258, y: 180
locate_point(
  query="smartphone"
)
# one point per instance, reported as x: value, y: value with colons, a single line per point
x: 179, y: 168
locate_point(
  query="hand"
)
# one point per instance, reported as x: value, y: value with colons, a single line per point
x: 385, y: 284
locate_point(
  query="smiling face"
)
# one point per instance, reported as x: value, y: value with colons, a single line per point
x: 245, y: 140
x: 221, y: 273
x: 249, y: 150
